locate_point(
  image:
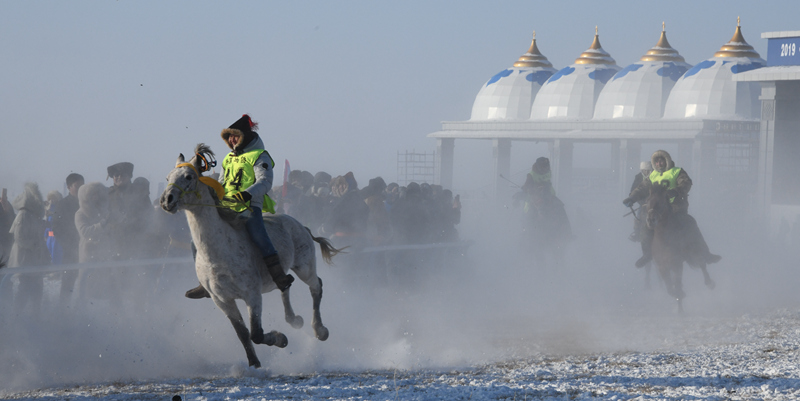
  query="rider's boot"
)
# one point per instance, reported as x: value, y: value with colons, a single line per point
x: 647, y: 247
x: 198, y: 293
x: 281, y: 279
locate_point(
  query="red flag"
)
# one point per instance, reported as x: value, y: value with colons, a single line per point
x: 286, y: 170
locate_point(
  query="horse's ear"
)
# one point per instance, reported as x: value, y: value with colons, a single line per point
x: 180, y: 160
x: 196, y: 163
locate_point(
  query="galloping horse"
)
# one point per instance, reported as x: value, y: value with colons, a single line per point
x: 229, y: 265
x: 547, y: 225
x: 676, y: 239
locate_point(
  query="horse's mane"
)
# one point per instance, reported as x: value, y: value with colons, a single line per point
x: 202, y: 148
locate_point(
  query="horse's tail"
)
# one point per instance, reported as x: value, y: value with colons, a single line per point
x: 328, y: 251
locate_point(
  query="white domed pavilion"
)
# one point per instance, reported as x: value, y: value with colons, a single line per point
x: 508, y: 95
x: 708, y: 90
x: 572, y: 91
x: 640, y: 90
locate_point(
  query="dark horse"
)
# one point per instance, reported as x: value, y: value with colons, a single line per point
x: 676, y: 239
x: 547, y: 225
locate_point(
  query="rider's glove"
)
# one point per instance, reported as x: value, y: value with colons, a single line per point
x: 243, y: 197
x: 671, y: 193
x: 628, y: 202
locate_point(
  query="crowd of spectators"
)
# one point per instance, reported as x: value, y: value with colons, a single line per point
x: 375, y: 215
x: 94, y: 223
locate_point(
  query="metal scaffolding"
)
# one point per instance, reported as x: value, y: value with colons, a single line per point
x: 417, y: 167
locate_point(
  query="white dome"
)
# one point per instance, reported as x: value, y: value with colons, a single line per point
x: 572, y: 91
x: 640, y: 90
x: 508, y: 94
x: 708, y: 90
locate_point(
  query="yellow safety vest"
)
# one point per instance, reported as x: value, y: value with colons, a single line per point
x: 670, y: 176
x: 240, y: 175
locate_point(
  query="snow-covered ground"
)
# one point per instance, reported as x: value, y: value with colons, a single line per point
x: 484, y: 326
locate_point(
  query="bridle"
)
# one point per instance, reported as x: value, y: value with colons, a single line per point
x: 216, y: 186
x: 196, y: 192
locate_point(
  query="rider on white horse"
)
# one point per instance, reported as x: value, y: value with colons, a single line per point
x: 247, y: 177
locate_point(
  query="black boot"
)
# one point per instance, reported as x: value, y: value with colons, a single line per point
x: 198, y: 293
x: 281, y: 279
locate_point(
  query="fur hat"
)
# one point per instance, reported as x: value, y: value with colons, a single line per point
x: 322, y: 178
x: 244, y: 127
x: 352, y: 185
x: 123, y: 168
x: 74, y: 177
x: 541, y: 166
x: 375, y: 187
x: 665, y: 155
x: 93, y: 197
x: 30, y: 199
x: 645, y: 166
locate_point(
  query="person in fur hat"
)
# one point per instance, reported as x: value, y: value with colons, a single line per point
x: 29, y: 247
x: 678, y: 184
x: 247, y: 173
x: 131, y: 210
x: 538, y: 185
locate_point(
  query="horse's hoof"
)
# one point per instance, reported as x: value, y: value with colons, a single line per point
x: 276, y: 338
x: 280, y: 340
x: 321, y: 333
x: 296, y: 322
x: 257, y: 336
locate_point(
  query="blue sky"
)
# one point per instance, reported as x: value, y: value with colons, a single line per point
x: 335, y: 86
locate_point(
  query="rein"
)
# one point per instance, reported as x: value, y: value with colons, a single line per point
x: 216, y: 186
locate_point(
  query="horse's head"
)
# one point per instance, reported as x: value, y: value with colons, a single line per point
x: 658, y: 205
x: 184, y: 179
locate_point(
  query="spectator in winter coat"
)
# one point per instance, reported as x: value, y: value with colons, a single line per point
x: 6, y: 218
x: 53, y: 244
x: 126, y: 204
x: 67, y: 234
x: 29, y: 247
x: 379, y: 227
x: 347, y: 222
x: 94, y: 223
x: 410, y: 220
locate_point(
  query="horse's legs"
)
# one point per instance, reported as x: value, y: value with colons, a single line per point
x: 256, y: 331
x: 679, y: 281
x: 294, y: 320
x: 316, y: 322
x: 707, y: 279
x: 232, y: 312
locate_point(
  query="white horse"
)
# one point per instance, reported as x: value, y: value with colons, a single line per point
x: 230, y: 266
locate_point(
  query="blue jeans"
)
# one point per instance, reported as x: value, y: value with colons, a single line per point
x: 255, y: 226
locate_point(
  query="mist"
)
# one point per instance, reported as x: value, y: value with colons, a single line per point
x: 489, y: 304
x: 344, y: 88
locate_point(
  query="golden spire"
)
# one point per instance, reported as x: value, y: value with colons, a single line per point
x: 533, y: 58
x: 595, y: 54
x: 662, y: 51
x: 737, y: 46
